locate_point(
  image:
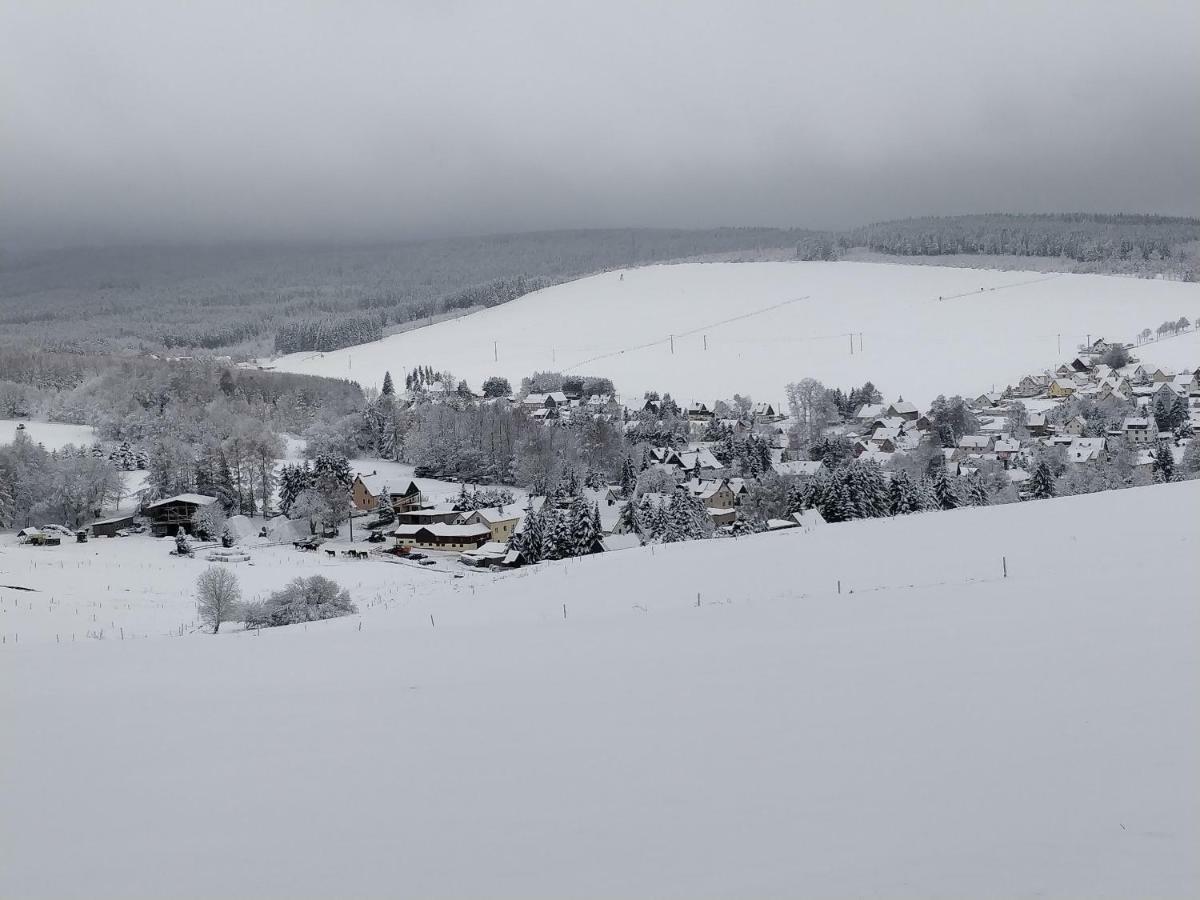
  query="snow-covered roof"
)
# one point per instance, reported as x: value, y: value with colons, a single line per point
x: 870, y: 411
x: 493, y: 515
x: 798, y: 467
x: 975, y: 442
x: 612, y: 542
x: 193, y: 499
x: 441, y: 529
x: 1136, y: 422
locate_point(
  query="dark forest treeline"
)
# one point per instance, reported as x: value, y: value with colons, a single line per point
x: 334, y: 332
x: 235, y: 299
x: 1082, y: 237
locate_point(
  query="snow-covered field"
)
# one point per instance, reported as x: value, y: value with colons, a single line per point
x: 934, y: 730
x: 52, y: 435
x: 790, y: 320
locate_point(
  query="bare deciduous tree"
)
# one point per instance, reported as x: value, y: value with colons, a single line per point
x: 217, y: 596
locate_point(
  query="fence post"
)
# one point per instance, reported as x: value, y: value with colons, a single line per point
x: 1004, y: 563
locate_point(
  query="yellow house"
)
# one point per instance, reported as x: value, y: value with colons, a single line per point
x: 501, y: 521
x: 1061, y: 387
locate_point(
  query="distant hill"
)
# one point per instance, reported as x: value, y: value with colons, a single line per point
x: 238, y: 298
x: 248, y: 299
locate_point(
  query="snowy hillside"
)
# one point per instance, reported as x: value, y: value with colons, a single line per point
x: 934, y: 730
x: 753, y: 327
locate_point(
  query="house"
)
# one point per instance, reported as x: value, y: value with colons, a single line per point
x: 110, y: 527
x: 1006, y: 448
x: 975, y: 443
x: 988, y: 400
x: 1031, y: 386
x: 870, y: 412
x: 1061, y: 387
x: 903, y: 409
x: 1161, y: 376
x: 490, y: 554
x: 501, y: 521
x: 175, y: 514
x: 1076, y: 426
x: 1036, y: 423
x: 1139, y: 431
x: 441, y: 536
x: 699, y: 412
x: 715, y: 494
x: 1085, y: 450
x: 1081, y: 365
x: 552, y: 400
x: 695, y: 462
x: 764, y: 411
x: 367, y: 490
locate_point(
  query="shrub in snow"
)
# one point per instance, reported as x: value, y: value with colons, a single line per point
x: 302, y: 600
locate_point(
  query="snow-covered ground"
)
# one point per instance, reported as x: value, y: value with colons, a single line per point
x: 933, y: 730
x: 52, y: 435
x: 789, y: 320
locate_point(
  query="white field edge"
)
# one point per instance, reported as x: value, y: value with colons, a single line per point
x: 934, y: 730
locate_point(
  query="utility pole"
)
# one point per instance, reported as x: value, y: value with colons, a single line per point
x: 852, y: 343
x: 706, y: 342
x: 495, y: 351
x: 672, y: 345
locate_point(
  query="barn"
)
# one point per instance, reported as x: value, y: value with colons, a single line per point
x: 172, y: 515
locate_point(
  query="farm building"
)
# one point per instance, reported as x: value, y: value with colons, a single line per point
x: 175, y: 514
x: 110, y: 527
x: 440, y: 536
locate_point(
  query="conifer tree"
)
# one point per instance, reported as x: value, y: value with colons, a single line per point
x: 389, y: 389
x: 976, y: 490
x: 1164, y: 464
x: 1041, y: 485
x: 944, y: 491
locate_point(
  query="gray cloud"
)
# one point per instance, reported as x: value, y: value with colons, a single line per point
x: 135, y: 120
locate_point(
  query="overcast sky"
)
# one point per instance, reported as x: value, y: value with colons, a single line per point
x: 348, y: 120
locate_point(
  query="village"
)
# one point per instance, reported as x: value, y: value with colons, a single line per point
x: 729, y: 468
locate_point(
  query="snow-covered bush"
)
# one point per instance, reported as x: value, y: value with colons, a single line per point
x: 302, y: 600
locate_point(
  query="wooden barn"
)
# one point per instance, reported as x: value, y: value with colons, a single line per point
x: 172, y: 515
x: 110, y: 527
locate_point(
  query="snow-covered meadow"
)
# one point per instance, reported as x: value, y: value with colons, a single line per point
x: 51, y: 435
x: 705, y: 331
x: 706, y: 719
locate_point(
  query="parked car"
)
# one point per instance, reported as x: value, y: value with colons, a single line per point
x: 414, y: 555
x: 428, y: 562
